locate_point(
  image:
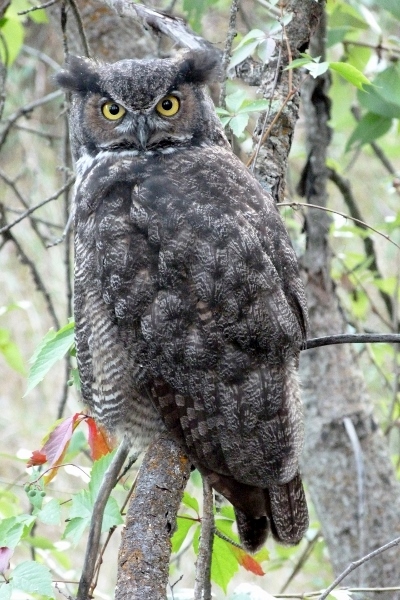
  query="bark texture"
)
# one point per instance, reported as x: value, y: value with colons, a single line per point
x: 358, y: 511
x: 143, y: 562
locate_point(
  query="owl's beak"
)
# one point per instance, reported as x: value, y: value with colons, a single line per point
x: 142, y: 133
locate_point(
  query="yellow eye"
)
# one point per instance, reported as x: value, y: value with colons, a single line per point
x: 112, y: 111
x: 168, y: 106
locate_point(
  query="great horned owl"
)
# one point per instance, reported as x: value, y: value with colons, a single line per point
x: 190, y: 312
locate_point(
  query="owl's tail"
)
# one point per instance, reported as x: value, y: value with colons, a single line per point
x: 281, y: 509
x: 286, y: 516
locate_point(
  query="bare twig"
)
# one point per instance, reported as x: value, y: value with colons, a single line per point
x: 304, y: 556
x: 25, y: 110
x: 28, y: 212
x: 357, y: 563
x: 336, y: 212
x: 353, y: 338
x: 36, y: 277
x: 202, y: 583
x: 228, y: 49
x: 38, y: 7
x: 360, y: 470
x: 41, y: 55
x: 345, y: 188
x: 171, y: 26
x: 81, y: 30
x: 108, y: 483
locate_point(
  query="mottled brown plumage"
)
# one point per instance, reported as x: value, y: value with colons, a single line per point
x: 190, y: 312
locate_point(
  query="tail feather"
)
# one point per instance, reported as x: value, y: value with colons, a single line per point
x: 253, y: 531
x: 287, y: 511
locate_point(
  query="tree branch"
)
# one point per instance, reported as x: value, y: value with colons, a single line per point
x: 202, y: 583
x: 353, y: 338
x: 92, y: 548
x: 357, y: 563
x: 151, y: 520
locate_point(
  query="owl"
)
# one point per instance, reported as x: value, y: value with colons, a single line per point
x: 190, y: 312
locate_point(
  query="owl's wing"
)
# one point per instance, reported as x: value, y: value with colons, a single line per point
x: 202, y: 308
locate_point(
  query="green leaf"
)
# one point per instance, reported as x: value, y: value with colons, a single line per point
x: 350, y: 73
x: 224, y: 564
x: 5, y: 591
x: 13, y: 34
x: 254, y: 106
x: 383, y: 98
x: 299, y: 62
x: 235, y: 100
x: 368, y: 129
x: 50, y: 513
x: 238, y: 124
x: 11, y: 532
x: 336, y: 35
x: 392, y: 6
x: 33, y: 578
x: 317, y: 68
x: 181, y: 532
x: 97, y: 473
x: 241, y: 53
x: 74, y: 530
x: 346, y: 15
x: 266, y: 49
x: 253, y: 35
x: 11, y: 352
x: 53, y: 348
x: 191, y: 502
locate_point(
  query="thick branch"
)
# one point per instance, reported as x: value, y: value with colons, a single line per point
x: 145, y: 548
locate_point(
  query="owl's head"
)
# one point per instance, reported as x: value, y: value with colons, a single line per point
x: 140, y: 104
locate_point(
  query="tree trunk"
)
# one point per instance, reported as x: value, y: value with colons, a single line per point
x: 352, y: 484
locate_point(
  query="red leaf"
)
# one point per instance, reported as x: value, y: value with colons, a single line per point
x: 99, y: 445
x: 56, y: 445
x: 37, y: 458
x: 248, y: 562
x: 5, y: 555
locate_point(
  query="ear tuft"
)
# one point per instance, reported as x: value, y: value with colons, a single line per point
x: 79, y: 76
x: 199, y: 67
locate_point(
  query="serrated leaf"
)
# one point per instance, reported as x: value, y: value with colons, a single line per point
x: 368, y: 129
x: 181, y: 532
x: 190, y: 502
x: 54, y: 348
x: 235, y: 100
x: 74, y: 530
x: 50, y: 513
x: 97, y: 473
x: 11, y: 532
x: 33, y: 578
x: 224, y: 564
x: 238, y: 124
x: 350, y: 73
x: 299, y: 62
